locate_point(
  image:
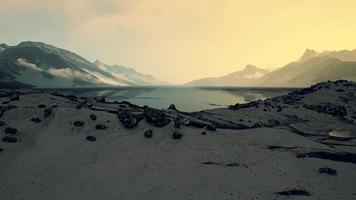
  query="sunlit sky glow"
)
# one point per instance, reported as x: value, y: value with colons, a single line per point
x: 181, y: 40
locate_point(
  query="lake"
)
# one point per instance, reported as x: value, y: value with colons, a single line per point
x: 185, y: 98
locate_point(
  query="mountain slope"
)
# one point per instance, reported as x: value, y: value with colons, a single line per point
x: 313, y: 68
x: 245, y: 77
x: 128, y: 74
x: 42, y: 65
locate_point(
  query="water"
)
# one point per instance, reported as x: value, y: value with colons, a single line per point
x: 185, y: 98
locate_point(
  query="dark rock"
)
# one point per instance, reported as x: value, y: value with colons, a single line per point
x: 294, y: 192
x: 36, y: 119
x: 5, y: 102
x: 330, y: 109
x: 100, y: 127
x: 14, y: 97
x: 340, y: 157
x: 92, y: 117
x: 78, y: 106
x: 47, y: 112
x: 42, y: 106
x: 78, y: 123
x: 327, y: 170
x: 91, y: 138
x: 148, y: 133
x: 156, y: 117
x: 2, y: 123
x: 10, y: 130
x: 100, y: 99
x: 211, y: 128
x: 128, y: 119
x: 1, y: 149
x: 197, y: 124
x: 172, y: 107
x: 203, y: 133
x: 177, y: 135
x: 9, y: 139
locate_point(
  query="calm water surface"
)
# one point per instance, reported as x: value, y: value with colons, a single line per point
x: 185, y: 98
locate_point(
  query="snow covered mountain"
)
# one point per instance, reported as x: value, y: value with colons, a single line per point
x: 128, y: 74
x: 35, y: 64
x: 245, y: 77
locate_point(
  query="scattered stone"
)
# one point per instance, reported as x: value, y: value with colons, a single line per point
x: 14, y: 97
x: 327, y: 170
x: 91, y: 138
x: 2, y: 123
x: 100, y: 127
x: 128, y: 119
x: 78, y: 106
x: 177, y: 123
x: 203, y: 133
x: 36, y: 119
x: 211, y: 128
x: 47, y: 112
x: 92, y: 117
x: 148, y: 133
x: 177, y: 135
x: 294, y: 192
x: 172, y: 107
x: 156, y: 117
x: 78, y: 123
x: 42, y: 106
x: 1, y: 149
x: 10, y: 130
x: 5, y: 102
x: 100, y: 99
x: 9, y: 139
x: 330, y: 109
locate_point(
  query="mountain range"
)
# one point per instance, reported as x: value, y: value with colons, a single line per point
x: 36, y: 64
x: 40, y: 65
x: 312, y: 67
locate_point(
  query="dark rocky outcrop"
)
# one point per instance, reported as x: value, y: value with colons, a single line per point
x: 47, y: 112
x: 42, y: 106
x: 172, y: 107
x: 128, y: 118
x: 327, y: 108
x: 92, y: 117
x: 35, y: 119
x: 91, y: 138
x: 78, y: 123
x: 9, y: 139
x: 177, y: 135
x: 10, y: 130
x: 148, y: 133
x: 327, y: 170
x: 100, y: 127
x: 156, y: 117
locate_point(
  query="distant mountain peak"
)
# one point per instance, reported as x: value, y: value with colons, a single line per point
x: 308, y: 53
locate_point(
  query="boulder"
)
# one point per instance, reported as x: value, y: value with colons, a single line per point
x: 148, y: 133
x: 91, y: 138
x: 327, y: 170
x: 128, y: 119
x: 78, y: 123
x: 100, y: 127
x: 9, y: 139
x: 176, y: 135
x: 92, y: 117
x: 10, y: 130
x: 172, y: 107
x: 156, y: 117
x: 35, y: 119
x: 47, y: 112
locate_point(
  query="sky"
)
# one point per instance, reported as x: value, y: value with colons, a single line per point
x: 183, y: 40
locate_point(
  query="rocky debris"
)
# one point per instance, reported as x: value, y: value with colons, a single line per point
x: 78, y: 107
x: 2, y: 123
x: 148, y: 133
x: 156, y: 117
x: 176, y: 135
x: 91, y: 138
x: 42, y: 106
x: 14, y: 97
x: 294, y: 192
x: 330, y: 109
x: 246, y: 105
x: 5, y: 102
x: 100, y: 127
x: 47, y: 112
x: 203, y: 133
x: 10, y: 130
x: 211, y: 128
x: 92, y: 117
x: 327, y: 170
x: 78, y: 123
x: 100, y: 99
x: 128, y: 119
x: 340, y: 157
x: 9, y: 139
x: 196, y: 124
x: 291, y: 99
x: 1, y: 149
x: 172, y: 107
x: 35, y: 119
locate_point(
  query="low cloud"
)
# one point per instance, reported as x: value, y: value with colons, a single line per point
x: 24, y: 63
x: 69, y: 73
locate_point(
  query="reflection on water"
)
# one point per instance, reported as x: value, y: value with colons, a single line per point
x: 185, y: 98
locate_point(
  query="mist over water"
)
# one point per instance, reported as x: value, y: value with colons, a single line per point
x: 187, y: 99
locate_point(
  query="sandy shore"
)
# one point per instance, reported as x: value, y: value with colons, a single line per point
x: 60, y: 147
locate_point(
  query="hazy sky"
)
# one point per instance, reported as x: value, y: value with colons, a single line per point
x: 181, y: 40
